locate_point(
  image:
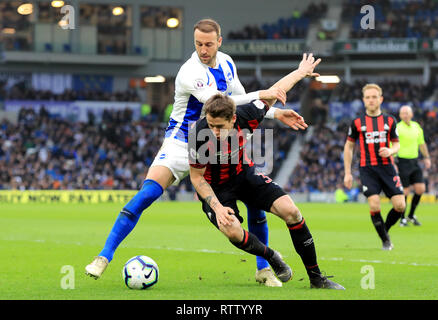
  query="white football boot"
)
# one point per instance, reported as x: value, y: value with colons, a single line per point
x: 267, y: 277
x: 96, y: 267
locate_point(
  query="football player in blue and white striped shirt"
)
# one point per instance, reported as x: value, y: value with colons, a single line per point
x: 207, y: 72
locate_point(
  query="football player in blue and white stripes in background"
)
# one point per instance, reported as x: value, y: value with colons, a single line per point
x: 205, y: 73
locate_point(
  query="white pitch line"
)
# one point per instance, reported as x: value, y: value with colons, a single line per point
x: 319, y: 258
x: 381, y: 261
x: 415, y: 264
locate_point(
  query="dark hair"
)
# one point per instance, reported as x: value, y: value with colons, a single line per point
x: 208, y: 25
x: 220, y: 106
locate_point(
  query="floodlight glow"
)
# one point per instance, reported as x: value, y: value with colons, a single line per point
x: 57, y: 4
x: 25, y: 9
x: 156, y: 79
x: 117, y: 11
x: 328, y: 79
x: 8, y: 31
x: 172, y: 22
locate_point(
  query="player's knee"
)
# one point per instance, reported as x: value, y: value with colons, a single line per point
x: 400, y: 206
x: 420, y: 189
x: 232, y: 232
x: 374, y: 204
x: 293, y: 215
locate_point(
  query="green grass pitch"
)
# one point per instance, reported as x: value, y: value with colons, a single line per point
x: 197, y: 262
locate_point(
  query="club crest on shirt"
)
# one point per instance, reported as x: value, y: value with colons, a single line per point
x: 199, y: 83
x: 259, y: 104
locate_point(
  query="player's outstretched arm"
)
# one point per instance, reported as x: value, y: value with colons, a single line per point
x: 290, y: 118
x: 205, y: 191
x: 305, y: 69
x: 348, y: 158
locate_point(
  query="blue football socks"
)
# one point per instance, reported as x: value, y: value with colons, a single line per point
x: 129, y: 216
x: 258, y: 225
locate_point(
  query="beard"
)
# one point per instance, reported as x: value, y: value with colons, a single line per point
x: 209, y: 61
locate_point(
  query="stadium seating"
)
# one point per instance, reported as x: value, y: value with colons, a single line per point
x: 293, y: 27
x: 398, y: 90
x: 91, y: 163
x: 321, y: 168
x: 254, y: 84
x: 42, y: 152
x: 45, y: 152
x: 429, y: 122
x: 396, y: 19
x: 21, y: 92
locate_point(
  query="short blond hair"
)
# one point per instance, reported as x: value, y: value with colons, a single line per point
x: 372, y: 86
x: 208, y: 25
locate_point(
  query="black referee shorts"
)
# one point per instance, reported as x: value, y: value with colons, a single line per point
x: 376, y: 179
x: 409, y: 171
x: 255, y: 190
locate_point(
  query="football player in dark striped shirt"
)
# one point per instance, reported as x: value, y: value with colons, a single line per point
x: 378, y: 142
x: 222, y: 174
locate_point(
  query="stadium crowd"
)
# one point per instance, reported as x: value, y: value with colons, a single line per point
x: 429, y: 122
x: 321, y: 169
x: 45, y: 152
x: 293, y: 27
x: 395, y: 19
x: 254, y: 84
x: 22, y: 92
x: 393, y: 90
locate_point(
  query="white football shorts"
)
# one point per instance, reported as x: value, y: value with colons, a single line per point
x: 174, y: 155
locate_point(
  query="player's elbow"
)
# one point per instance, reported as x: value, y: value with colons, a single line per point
x: 194, y: 178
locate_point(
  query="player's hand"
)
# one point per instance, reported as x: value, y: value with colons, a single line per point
x: 224, y: 216
x: 427, y: 163
x: 384, y: 152
x: 272, y: 94
x: 348, y: 181
x: 308, y: 64
x: 290, y: 118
